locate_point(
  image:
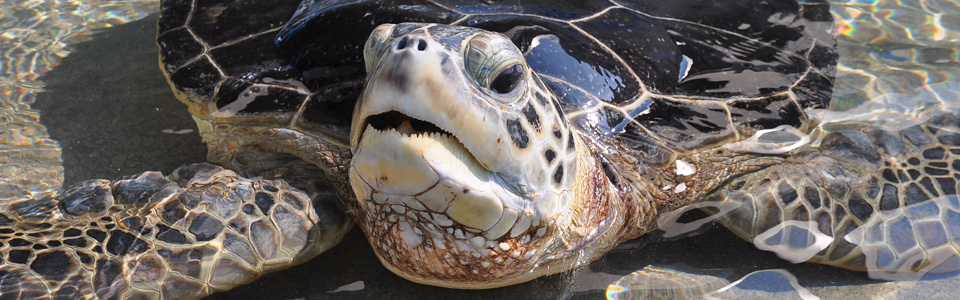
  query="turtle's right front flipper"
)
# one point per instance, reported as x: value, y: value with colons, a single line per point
x: 202, y: 230
x: 868, y: 199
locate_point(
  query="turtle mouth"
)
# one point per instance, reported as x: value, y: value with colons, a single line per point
x: 403, y: 123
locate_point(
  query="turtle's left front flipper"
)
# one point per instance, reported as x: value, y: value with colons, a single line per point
x: 201, y: 230
x: 868, y: 199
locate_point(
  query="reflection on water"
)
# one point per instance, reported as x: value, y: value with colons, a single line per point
x: 34, y: 36
x: 899, y: 67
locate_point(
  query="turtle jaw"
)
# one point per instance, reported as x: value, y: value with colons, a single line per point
x: 434, y: 215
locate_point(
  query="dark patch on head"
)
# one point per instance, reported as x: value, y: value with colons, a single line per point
x: 517, y: 133
x: 54, y: 243
x: 571, y: 145
x: 121, y: 243
x: 264, y: 201
x: 205, y: 227
x: 170, y: 235
x: 889, y: 200
x: 542, y: 99
x: 558, y: 134
x: 53, y: 265
x: 558, y: 175
x: 39, y: 247
x: 559, y: 112
x: 532, y: 116
x: 549, y: 155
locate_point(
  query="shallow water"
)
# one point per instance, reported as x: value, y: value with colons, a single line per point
x: 88, y: 72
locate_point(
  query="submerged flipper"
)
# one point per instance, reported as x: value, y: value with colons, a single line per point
x: 867, y: 199
x: 201, y: 230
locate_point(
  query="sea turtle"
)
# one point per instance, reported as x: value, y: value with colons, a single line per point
x: 485, y: 144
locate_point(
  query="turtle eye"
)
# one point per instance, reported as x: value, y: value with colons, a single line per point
x: 496, y: 65
x: 507, y: 80
x: 378, y: 38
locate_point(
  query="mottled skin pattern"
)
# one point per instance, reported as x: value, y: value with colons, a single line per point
x: 202, y: 230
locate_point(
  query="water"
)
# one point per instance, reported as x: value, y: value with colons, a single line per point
x: 79, y: 80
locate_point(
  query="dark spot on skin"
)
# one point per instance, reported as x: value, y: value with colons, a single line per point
x: 934, y: 153
x: 170, y: 235
x: 270, y: 188
x: 465, y: 191
x: 121, y: 243
x: 264, y: 201
x: 38, y: 247
x: 172, y: 212
x: 889, y: 176
x: 84, y: 258
x: 52, y: 265
x: 549, y: 155
x: 19, y: 256
x: 18, y: 243
x: 292, y: 200
x: 98, y: 235
x: 889, y: 199
x: 812, y: 196
x: 106, y: 273
x: 914, y: 194
x: 947, y: 185
x: 570, y: 144
x: 517, y: 133
x: 54, y: 243
x: 558, y: 175
x: 557, y: 134
x: 247, y: 209
x: 76, y: 242
x: 786, y: 192
x: 928, y: 184
x: 205, y: 227
x: 914, y: 161
x: 531, y: 114
x: 859, y: 208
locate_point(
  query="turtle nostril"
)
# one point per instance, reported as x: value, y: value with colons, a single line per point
x: 402, y: 43
x: 421, y: 45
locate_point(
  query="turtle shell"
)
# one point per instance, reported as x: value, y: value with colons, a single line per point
x: 651, y: 79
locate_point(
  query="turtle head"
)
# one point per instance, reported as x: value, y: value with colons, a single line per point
x: 464, y: 166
